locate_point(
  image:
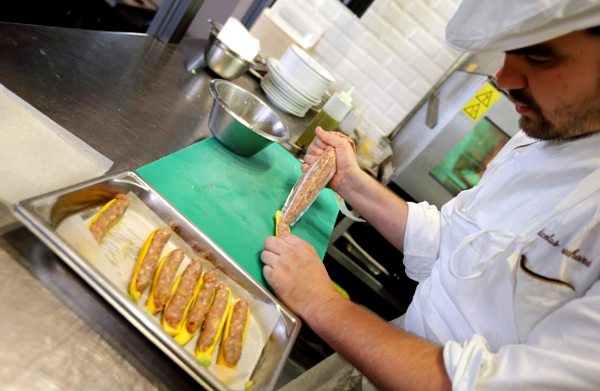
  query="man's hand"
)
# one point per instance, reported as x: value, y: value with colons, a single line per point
x: 390, y: 358
x: 295, y: 272
x: 347, y: 166
x: 386, y: 211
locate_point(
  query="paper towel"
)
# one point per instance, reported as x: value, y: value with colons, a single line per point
x: 37, y: 155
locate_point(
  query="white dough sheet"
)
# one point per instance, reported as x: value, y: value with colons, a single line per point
x: 116, y: 256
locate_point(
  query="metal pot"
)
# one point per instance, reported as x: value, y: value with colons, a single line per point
x: 220, y: 59
x: 224, y: 62
x: 241, y: 121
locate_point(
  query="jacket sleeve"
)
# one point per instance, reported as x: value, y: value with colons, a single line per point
x: 561, y: 353
x: 422, y: 239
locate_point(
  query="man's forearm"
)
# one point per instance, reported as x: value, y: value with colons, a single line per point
x: 378, y: 205
x: 391, y: 359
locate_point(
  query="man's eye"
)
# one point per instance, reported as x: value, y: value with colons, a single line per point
x: 539, y: 60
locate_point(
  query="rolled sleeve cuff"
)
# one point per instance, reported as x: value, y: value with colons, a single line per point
x: 421, y: 239
x: 464, y: 362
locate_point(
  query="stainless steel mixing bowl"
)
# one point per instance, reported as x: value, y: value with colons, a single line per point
x: 223, y: 61
x: 241, y: 121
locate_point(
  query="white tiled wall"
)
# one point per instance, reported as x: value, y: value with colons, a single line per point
x: 393, y: 54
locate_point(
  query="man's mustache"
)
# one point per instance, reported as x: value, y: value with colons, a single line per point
x: 526, y: 100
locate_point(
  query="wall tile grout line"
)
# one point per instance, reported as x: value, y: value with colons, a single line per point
x: 392, y: 55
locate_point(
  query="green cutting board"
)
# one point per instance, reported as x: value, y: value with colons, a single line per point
x: 233, y: 199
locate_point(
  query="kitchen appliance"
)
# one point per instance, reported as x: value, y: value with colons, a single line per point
x: 241, y: 121
x: 474, y: 122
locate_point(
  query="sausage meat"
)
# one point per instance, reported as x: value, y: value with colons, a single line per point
x: 200, y: 308
x: 213, y: 318
x: 234, y: 343
x: 109, y: 216
x: 161, y: 237
x: 162, y: 290
x: 183, y: 295
x: 310, y: 185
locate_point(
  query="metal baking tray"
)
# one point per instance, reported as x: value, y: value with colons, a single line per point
x: 44, y: 213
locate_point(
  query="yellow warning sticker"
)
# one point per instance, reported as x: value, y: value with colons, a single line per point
x: 482, y: 101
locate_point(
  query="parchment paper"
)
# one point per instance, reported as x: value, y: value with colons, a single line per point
x: 37, y: 155
x: 117, y: 255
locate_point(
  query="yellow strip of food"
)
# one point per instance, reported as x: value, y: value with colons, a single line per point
x: 278, y: 217
x: 184, y: 335
x: 221, y: 359
x: 133, y: 293
x: 205, y: 357
x: 102, y: 211
x: 173, y: 331
x: 150, y: 305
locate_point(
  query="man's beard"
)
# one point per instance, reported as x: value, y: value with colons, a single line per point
x: 569, y: 121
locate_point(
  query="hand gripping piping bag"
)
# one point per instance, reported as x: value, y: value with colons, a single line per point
x: 308, y: 187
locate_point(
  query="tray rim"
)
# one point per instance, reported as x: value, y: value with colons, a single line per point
x: 25, y: 212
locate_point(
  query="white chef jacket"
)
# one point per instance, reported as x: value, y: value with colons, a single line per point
x: 509, y: 271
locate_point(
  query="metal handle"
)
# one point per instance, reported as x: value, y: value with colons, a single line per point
x: 372, y: 260
x: 361, y: 258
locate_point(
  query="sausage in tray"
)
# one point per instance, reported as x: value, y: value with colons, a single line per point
x: 147, y: 260
x: 190, y: 303
x: 104, y: 260
x: 163, y: 281
x: 213, y: 325
x: 185, y: 289
x: 234, y: 335
x: 199, y: 308
x: 108, y: 216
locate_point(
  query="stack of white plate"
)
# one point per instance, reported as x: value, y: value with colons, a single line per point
x: 296, y: 82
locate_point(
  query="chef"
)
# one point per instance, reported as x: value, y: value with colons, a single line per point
x: 508, y: 271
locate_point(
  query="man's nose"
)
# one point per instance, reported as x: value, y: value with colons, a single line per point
x: 511, y: 77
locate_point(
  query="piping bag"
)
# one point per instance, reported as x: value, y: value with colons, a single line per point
x: 308, y: 187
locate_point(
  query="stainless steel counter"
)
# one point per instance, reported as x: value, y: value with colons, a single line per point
x: 129, y: 97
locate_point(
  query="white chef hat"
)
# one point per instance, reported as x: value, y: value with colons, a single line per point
x: 502, y: 25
